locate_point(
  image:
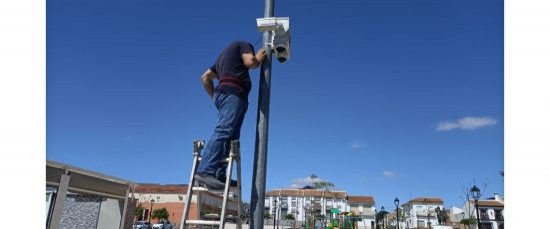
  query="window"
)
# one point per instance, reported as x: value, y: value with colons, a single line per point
x: 498, y: 215
x: 487, y: 225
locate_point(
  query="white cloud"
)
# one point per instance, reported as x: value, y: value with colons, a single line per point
x: 357, y: 145
x: 389, y: 174
x: 129, y: 138
x: 467, y: 123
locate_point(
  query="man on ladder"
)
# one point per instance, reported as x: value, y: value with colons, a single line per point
x: 231, y: 99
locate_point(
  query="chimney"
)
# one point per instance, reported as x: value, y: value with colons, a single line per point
x: 495, y: 194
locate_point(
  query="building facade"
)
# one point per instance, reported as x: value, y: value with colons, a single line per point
x: 491, y: 212
x: 364, y: 207
x: 303, y: 202
x: 421, y: 212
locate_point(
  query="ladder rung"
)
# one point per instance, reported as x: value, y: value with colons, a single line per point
x: 203, y: 222
x: 225, y: 159
x: 195, y: 188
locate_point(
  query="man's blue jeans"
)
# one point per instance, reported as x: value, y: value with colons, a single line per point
x: 231, y: 111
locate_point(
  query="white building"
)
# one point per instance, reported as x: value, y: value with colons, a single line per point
x: 421, y: 212
x: 491, y: 212
x: 299, y: 202
x: 363, y: 206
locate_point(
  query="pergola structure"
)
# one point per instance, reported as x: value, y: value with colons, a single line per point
x: 71, y: 179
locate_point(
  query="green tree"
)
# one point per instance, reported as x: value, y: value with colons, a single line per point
x: 320, y: 184
x: 138, y: 212
x: 160, y: 213
x: 289, y: 217
x: 471, y: 221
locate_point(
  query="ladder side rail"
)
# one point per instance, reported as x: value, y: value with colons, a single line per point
x: 239, y: 192
x: 227, y: 186
x: 197, y: 146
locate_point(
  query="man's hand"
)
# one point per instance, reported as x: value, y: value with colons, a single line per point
x: 253, y: 61
x: 260, y: 55
x: 207, y: 79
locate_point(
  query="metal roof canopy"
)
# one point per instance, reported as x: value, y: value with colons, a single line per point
x: 86, y: 181
x: 77, y: 180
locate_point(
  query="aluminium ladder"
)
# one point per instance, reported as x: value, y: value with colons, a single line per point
x: 234, y: 157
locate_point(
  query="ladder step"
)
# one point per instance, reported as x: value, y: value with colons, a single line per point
x: 203, y: 222
x: 225, y: 159
x: 216, y: 191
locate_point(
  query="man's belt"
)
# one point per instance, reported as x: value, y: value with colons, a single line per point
x: 232, y: 81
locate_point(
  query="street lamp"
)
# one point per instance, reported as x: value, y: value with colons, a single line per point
x: 376, y: 218
x: 151, y: 210
x: 274, y: 212
x: 396, y: 202
x: 438, y: 214
x: 476, y: 193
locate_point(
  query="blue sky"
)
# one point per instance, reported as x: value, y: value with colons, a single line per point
x: 389, y: 98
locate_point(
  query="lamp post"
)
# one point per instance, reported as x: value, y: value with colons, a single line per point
x: 376, y: 218
x: 396, y: 202
x: 151, y: 210
x: 476, y: 193
x: 274, y: 212
x: 438, y: 214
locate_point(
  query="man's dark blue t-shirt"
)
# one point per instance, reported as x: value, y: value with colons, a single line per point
x: 231, y: 71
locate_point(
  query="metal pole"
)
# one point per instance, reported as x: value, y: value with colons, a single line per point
x: 397, y: 216
x: 262, y: 126
x: 477, y: 212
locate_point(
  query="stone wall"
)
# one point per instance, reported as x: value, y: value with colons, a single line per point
x: 80, y: 212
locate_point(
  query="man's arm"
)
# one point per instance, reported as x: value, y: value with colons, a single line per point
x: 253, y: 61
x: 207, y: 79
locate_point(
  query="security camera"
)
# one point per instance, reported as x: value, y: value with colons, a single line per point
x: 281, y: 46
x: 280, y: 36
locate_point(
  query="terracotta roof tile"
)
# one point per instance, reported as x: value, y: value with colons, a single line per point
x: 429, y: 200
x: 488, y: 203
x: 163, y: 189
x: 361, y: 199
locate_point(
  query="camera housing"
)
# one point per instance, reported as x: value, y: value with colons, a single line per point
x: 280, y: 35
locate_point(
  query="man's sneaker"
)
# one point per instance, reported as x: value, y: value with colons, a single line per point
x: 210, y: 181
x: 232, y: 183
